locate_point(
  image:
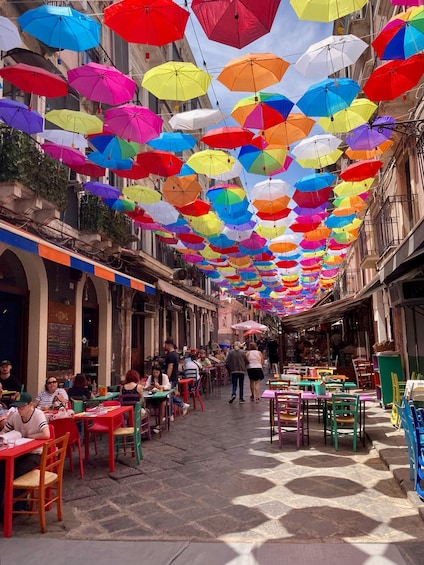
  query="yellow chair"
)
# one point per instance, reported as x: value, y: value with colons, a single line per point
x: 41, y: 488
x: 398, y: 390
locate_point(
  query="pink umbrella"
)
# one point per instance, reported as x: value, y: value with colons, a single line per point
x: 133, y: 123
x: 192, y: 258
x: 102, y: 83
x: 63, y: 153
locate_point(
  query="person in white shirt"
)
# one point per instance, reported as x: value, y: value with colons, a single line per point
x: 255, y: 372
x: 157, y: 381
x: 52, y: 396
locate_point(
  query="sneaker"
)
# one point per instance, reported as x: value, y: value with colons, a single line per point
x: 172, y: 418
x: 156, y: 430
x: 185, y: 409
x: 233, y: 397
x: 242, y: 400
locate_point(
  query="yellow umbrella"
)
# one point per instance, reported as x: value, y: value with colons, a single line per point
x: 142, y: 194
x: 270, y: 232
x: 321, y: 162
x: 78, y: 122
x: 176, y: 81
x: 325, y: 10
x: 358, y: 113
x: 209, y: 253
x: 347, y: 188
x: 211, y: 162
x: 253, y: 72
x: 207, y: 225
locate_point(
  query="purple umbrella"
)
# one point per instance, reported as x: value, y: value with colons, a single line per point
x: 102, y: 190
x: 17, y: 115
x: 369, y: 136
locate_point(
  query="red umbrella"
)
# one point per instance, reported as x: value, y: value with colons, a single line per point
x: 228, y: 137
x: 135, y: 173
x: 161, y: 163
x: 235, y: 22
x: 392, y: 79
x: 312, y: 199
x: 196, y: 208
x: 149, y: 22
x: 191, y: 238
x: 89, y: 169
x: 361, y: 170
x: 35, y: 80
x: 275, y: 215
x: 252, y: 332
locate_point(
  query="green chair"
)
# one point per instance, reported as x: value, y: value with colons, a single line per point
x: 130, y: 436
x: 343, y: 412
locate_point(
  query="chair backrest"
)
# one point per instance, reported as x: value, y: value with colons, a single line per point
x: 325, y: 372
x: 279, y: 384
x: 191, y: 373
x: 137, y: 417
x: 288, y: 405
x: 63, y: 426
x: 52, y: 431
x: 53, y: 458
x: 345, y: 405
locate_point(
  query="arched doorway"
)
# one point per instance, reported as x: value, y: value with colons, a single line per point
x: 90, y: 331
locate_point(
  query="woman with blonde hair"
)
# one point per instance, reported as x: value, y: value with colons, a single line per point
x: 255, y: 364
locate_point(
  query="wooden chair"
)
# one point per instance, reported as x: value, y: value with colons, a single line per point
x: 33, y: 486
x: 68, y: 425
x: 364, y: 372
x: 289, y: 416
x: 343, y: 414
x: 132, y: 435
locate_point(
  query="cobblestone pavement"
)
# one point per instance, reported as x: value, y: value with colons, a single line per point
x: 215, y: 476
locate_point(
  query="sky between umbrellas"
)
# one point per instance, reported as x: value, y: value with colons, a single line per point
x: 283, y: 247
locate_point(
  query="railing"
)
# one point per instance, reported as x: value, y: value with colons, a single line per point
x: 366, y: 242
x: 393, y: 222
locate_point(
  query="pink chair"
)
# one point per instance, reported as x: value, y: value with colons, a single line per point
x: 99, y: 428
x: 289, y: 416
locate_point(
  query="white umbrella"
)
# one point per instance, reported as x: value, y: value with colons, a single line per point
x: 196, y: 119
x: 329, y: 55
x: 270, y: 189
x: 63, y: 137
x: 162, y: 212
x: 250, y: 325
x: 9, y: 35
x: 316, y: 146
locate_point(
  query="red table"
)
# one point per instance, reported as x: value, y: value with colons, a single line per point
x: 109, y: 419
x: 9, y: 455
x: 185, y: 383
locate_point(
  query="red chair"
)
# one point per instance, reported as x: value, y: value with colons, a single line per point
x: 195, y: 393
x: 98, y: 428
x: 63, y: 426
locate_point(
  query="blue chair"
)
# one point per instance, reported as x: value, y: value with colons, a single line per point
x: 418, y: 420
x: 407, y: 425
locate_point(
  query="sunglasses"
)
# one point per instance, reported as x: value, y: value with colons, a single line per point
x: 51, y: 382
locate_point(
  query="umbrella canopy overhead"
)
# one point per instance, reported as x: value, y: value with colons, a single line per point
x: 133, y: 123
x: 197, y: 119
x: 176, y: 81
x: 328, y: 97
x: 63, y: 153
x: 160, y: 163
x: 358, y: 113
x: 35, y: 80
x: 149, y: 22
x: 325, y: 10
x: 235, y: 22
x: 262, y: 111
x: 61, y: 27
x: 397, y: 77
x: 181, y: 190
x: 402, y: 36
x: 211, y: 162
x: 18, y: 116
x: 227, y: 137
x: 250, y: 325
x: 9, y: 35
x: 294, y: 128
x: 253, y: 72
x: 174, y: 141
x: 73, y: 120
x: 63, y: 137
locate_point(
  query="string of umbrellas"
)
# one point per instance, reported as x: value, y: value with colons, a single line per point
x: 280, y: 244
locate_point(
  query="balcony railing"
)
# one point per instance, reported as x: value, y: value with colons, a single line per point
x: 366, y: 245
x: 393, y: 222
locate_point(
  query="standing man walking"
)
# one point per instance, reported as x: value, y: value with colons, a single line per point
x: 171, y: 363
x: 236, y: 364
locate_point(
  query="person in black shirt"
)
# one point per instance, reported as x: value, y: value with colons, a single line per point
x: 8, y: 382
x: 171, y: 365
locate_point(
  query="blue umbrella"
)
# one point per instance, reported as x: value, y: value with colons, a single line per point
x: 329, y: 96
x: 61, y: 27
x: 113, y: 146
x: 17, y: 115
x: 314, y: 182
x: 102, y: 190
x: 339, y: 221
x: 110, y: 162
x: 185, y: 171
x: 175, y: 142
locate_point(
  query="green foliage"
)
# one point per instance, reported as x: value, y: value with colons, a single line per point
x: 22, y: 161
x: 97, y: 217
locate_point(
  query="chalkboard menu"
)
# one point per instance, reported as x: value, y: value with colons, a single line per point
x: 59, y: 346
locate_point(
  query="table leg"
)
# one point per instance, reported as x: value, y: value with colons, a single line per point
x: 8, y: 495
x: 86, y: 440
x: 111, y: 441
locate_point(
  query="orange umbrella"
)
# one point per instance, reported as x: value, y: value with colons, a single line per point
x: 273, y: 205
x: 181, y: 190
x: 253, y: 72
x: 368, y: 153
x: 295, y: 128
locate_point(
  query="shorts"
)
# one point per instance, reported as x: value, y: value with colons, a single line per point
x: 256, y: 374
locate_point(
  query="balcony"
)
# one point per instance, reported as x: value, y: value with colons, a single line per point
x: 393, y: 222
x: 368, y: 255
x: 101, y: 224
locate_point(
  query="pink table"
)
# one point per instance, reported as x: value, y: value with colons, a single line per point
x: 9, y: 454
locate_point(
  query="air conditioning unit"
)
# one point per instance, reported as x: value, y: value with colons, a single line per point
x: 180, y: 274
x: 407, y: 293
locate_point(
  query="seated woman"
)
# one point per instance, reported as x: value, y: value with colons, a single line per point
x: 158, y: 381
x: 52, y: 396
x: 79, y: 389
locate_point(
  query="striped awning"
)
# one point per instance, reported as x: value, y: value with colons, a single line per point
x: 15, y: 237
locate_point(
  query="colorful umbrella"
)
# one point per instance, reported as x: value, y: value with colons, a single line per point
x: 196, y: 208
x: 262, y: 111
x: 63, y: 137
x: 133, y: 123
x: 328, y: 97
x: 402, y: 36
x: 330, y: 55
x: 397, y: 77
x: 325, y: 10
x: 368, y: 153
x: 102, y: 83
x: 18, y: 116
x: 89, y: 169
x: 63, y: 153
x: 113, y: 147
x: 322, y: 161
x: 35, y: 80
x: 181, y: 190
x: 176, y: 81
x: 361, y: 170
x: 110, y: 162
x: 270, y: 189
x: 211, y: 162
x: 9, y: 35
x: 73, y: 120
x: 253, y: 72
x: 102, y: 190
x: 196, y: 119
x: 294, y: 128
x: 353, y: 188
x: 369, y: 136
x: 61, y: 27
x: 261, y: 158
x: 227, y: 137
x: 120, y: 204
x: 358, y: 113
x: 235, y: 22
x: 174, y: 141
x: 160, y: 163
x: 149, y: 22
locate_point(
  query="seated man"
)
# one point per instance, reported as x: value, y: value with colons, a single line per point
x: 191, y: 369
x: 8, y: 381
